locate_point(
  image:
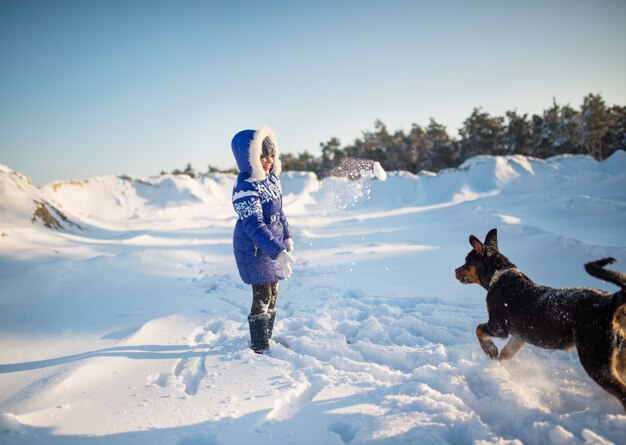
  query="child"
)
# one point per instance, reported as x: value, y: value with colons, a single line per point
x: 262, y: 240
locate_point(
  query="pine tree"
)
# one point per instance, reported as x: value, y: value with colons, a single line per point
x: 442, y: 152
x: 398, y: 152
x: 594, y: 125
x: 481, y: 134
x: 539, y: 144
x: 567, y: 130
x: 189, y: 171
x: 517, y: 137
x: 331, y: 154
x: 616, y: 139
x: 549, y: 131
x: 374, y: 144
x: 416, y: 151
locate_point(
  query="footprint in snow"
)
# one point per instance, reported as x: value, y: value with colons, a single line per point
x: 293, y: 400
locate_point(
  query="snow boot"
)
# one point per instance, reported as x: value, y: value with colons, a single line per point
x: 259, y: 338
x: 270, y: 324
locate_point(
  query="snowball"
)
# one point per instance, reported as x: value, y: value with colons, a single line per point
x: 379, y: 171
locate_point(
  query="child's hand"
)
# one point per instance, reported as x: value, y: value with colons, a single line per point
x: 286, y: 260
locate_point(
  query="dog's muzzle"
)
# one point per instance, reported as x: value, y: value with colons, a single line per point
x: 460, y: 275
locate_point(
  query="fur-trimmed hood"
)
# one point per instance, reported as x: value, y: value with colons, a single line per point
x: 247, y: 145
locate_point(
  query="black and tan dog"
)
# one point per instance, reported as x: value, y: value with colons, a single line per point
x: 593, y: 321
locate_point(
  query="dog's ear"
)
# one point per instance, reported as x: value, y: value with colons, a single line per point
x: 491, y: 239
x: 476, y: 244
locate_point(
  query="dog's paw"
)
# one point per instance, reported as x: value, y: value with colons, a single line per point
x: 490, y: 349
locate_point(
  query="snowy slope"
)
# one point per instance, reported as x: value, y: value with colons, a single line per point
x: 127, y: 325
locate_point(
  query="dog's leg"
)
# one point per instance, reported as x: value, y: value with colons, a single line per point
x: 618, y: 357
x: 486, y: 342
x: 612, y: 382
x: 511, y: 348
x: 604, y: 366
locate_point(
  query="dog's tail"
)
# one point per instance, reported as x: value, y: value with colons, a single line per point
x: 596, y: 269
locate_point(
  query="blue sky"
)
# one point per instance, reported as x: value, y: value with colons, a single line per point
x: 134, y: 87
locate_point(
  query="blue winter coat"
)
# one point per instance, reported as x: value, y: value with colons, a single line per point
x: 262, y: 226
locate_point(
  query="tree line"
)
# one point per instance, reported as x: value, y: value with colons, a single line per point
x: 192, y: 172
x: 596, y: 130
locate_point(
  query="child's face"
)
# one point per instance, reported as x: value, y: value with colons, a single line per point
x: 266, y: 162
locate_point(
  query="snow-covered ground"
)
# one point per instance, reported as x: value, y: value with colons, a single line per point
x: 127, y: 325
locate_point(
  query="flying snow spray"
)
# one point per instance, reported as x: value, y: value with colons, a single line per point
x: 349, y: 183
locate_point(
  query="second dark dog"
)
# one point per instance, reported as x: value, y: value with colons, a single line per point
x: 591, y: 320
